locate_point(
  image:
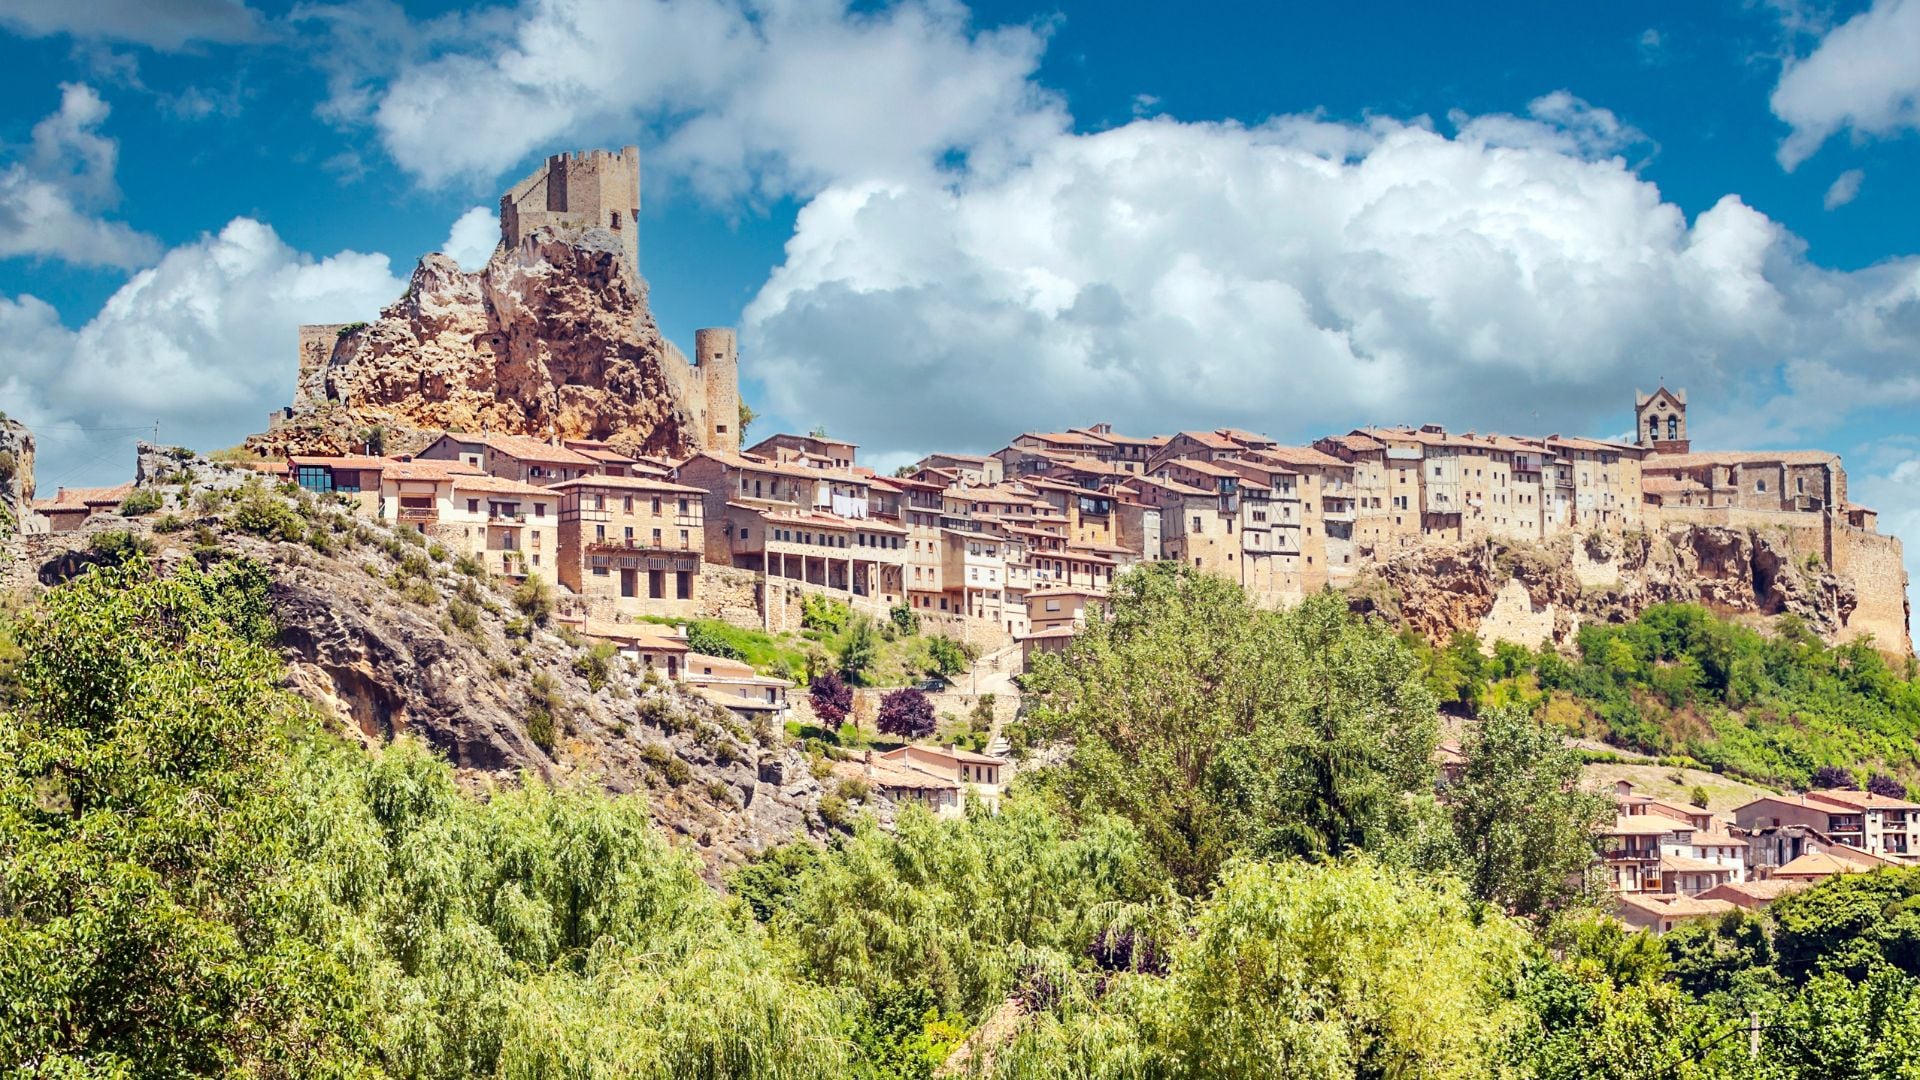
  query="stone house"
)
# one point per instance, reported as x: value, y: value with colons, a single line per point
x: 632, y: 544
x: 71, y: 507
x: 511, y: 527
x: 419, y: 494
x: 1872, y: 823
x: 514, y: 457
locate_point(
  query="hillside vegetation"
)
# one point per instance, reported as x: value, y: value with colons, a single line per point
x: 1679, y: 681
x: 200, y: 880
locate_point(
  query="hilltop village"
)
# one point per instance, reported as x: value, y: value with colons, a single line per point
x: 531, y: 416
x: 529, y: 419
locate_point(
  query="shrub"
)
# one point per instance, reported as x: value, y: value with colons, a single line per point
x: 836, y: 812
x: 949, y: 656
x: 257, y: 511
x: 169, y: 523
x: 471, y: 567
x: 904, y: 619
x: 824, y: 614
x: 906, y: 713
x: 540, y: 729
x: 141, y: 502
x: 120, y: 546
x: 464, y: 615
x: 535, y: 600
x: 703, y: 638
x: 674, y: 771
x: 596, y: 664
x: 421, y: 591
x: 1698, y: 797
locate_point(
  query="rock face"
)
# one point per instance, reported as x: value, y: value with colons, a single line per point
x: 553, y: 337
x: 384, y: 667
x: 16, y: 477
x: 1523, y: 593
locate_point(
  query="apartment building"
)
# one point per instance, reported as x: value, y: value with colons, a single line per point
x: 512, y: 528
x: 865, y: 560
x: 633, y: 544
x: 1876, y: 824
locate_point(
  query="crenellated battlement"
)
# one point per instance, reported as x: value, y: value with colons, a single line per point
x: 579, y: 190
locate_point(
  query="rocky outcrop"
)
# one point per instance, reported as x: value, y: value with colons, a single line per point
x: 16, y: 477
x: 1516, y: 591
x: 552, y: 337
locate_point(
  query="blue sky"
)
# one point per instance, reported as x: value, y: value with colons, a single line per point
x: 938, y: 224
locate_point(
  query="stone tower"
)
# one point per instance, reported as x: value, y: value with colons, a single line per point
x: 580, y: 190
x: 716, y: 357
x: 1660, y: 421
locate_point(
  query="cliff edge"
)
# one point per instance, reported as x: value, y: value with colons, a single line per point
x: 1529, y: 593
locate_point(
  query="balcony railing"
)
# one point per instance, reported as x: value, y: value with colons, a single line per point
x: 418, y: 515
x: 636, y: 543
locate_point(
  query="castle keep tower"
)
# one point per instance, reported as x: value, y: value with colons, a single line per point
x: 580, y: 190
x: 1660, y: 421
x: 717, y: 369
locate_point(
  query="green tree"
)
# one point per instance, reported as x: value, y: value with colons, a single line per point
x: 151, y: 908
x: 861, y: 650
x: 1524, y: 825
x: 1219, y: 729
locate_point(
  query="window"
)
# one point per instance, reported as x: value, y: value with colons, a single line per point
x: 656, y: 537
x: 656, y: 504
x: 628, y: 583
x: 1759, y: 485
x: 626, y: 505
x: 473, y: 506
x: 683, y: 585
x: 657, y: 584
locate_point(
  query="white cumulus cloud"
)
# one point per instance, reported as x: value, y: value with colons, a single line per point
x: 203, y: 342
x: 473, y: 237
x: 52, y: 194
x: 1300, y: 276
x: 773, y: 97
x: 1863, y: 76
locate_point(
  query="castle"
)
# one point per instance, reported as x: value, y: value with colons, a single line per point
x: 581, y: 190
x: 584, y: 199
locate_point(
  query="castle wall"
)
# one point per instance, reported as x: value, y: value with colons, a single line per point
x: 1877, y: 568
x: 317, y: 342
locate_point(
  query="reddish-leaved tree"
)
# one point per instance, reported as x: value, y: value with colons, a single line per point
x: 907, y: 714
x: 832, y: 698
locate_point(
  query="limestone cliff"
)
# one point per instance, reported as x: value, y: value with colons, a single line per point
x: 552, y: 337
x: 16, y: 476
x: 1529, y: 593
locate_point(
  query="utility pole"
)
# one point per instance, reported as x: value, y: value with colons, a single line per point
x: 1753, y: 1034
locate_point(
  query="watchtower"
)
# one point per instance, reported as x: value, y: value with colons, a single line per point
x: 1660, y: 421
x: 716, y: 358
x: 581, y: 190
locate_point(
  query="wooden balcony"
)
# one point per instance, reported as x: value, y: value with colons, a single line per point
x: 419, y: 515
